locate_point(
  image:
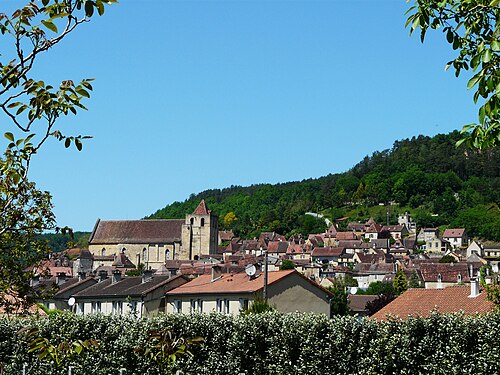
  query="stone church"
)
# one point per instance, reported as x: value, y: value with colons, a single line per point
x: 152, y: 242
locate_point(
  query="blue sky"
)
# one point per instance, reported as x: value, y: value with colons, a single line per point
x: 192, y: 95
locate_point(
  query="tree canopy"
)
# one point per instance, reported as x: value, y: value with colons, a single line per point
x: 473, y: 30
x: 31, y: 108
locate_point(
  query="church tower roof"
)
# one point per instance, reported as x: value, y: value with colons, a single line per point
x: 202, y: 209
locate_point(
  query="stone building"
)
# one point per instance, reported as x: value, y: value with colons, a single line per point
x: 153, y: 242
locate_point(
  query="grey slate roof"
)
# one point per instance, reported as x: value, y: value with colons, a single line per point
x: 128, y: 286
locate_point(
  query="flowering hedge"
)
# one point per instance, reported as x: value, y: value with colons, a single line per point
x: 269, y: 343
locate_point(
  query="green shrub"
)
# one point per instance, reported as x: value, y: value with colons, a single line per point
x: 267, y: 343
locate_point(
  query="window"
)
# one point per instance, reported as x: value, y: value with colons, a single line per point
x: 117, y: 307
x: 200, y: 306
x: 167, y: 254
x: 191, y: 220
x: 103, y: 252
x: 177, y: 306
x: 243, y: 304
x: 440, y: 278
x: 218, y: 305
x: 144, y: 255
x: 96, y: 307
x: 226, y: 306
x: 80, y: 308
x: 192, y: 303
x: 459, y: 278
x: 202, y: 222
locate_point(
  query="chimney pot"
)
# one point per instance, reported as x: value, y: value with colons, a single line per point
x: 60, y: 278
x: 117, y: 276
x: 147, y: 275
x: 474, y: 287
x: 103, y: 275
x: 216, y: 272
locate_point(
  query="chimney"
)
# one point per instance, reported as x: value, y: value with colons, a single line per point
x: 103, y: 275
x: 35, y: 280
x: 474, y: 287
x: 81, y: 275
x: 117, y: 276
x: 147, y: 275
x: 216, y: 272
x: 60, y: 278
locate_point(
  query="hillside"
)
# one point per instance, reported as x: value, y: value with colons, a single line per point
x: 437, y: 182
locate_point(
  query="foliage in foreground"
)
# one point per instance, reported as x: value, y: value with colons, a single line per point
x: 269, y: 343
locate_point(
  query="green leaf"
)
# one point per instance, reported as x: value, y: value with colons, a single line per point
x: 89, y: 8
x: 472, y: 82
x: 9, y: 136
x: 50, y: 25
x: 100, y: 7
x: 82, y: 92
x: 78, y: 144
x: 487, y: 56
x: 495, y: 45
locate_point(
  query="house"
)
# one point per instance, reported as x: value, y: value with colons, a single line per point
x: 427, y: 234
x: 152, y: 242
x: 287, y: 291
x: 475, y: 247
x: 325, y: 255
x: 422, y: 302
x: 436, y: 245
x: 374, y: 232
x: 405, y: 219
x: 397, y: 231
x: 141, y: 295
x: 442, y: 275
x: 367, y: 273
x: 66, y: 288
x: 456, y: 237
x: 357, y: 303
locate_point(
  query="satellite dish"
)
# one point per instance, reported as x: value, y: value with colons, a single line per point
x: 71, y: 301
x: 354, y: 290
x: 250, y: 270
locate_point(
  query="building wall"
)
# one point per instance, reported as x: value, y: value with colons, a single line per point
x: 151, y: 255
x: 229, y: 303
x: 294, y: 293
x: 199, y: 236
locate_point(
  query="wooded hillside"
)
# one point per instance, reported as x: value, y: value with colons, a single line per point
x: 437, y: 182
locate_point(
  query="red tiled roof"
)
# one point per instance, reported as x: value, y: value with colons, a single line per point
x: 421, y: 302
x: 202, y: 209
x: 234, y: 283
x: 449, y: 271
x: 327, y: 251
x: 454, y: 233
x: 342, y: 236
x: 136, y: 231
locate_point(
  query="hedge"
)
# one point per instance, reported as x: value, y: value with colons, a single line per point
x: 270, y: 343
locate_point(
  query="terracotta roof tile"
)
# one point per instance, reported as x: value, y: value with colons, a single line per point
x: 454, y: 233
x: 202, y: 209
x: 421, y: 302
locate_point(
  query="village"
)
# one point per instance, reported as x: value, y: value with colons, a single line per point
x: 147, y: 267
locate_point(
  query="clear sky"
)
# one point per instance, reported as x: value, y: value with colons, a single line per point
x: 192, y: 95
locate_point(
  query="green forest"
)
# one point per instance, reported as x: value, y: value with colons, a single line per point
x: 438, y: 183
